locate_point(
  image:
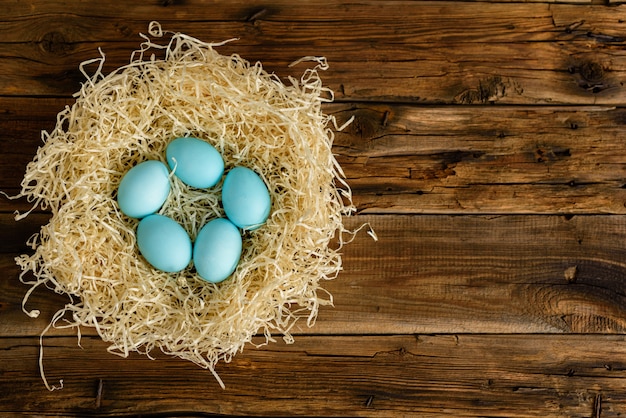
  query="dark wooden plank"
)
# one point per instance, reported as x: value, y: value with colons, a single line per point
x: 482, y: 274
x: 439, y: 375
x: 489, y: 159
x: 14, y: 322
x: 194, y: 10
x: 506, y: 53
x: 429, y: 159
x: 16, y: 233
x: 21, y: 123
x: 439, y: 274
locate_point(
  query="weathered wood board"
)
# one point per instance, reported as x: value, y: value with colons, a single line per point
x: 424, y: 52
x: 434, y: 159
x: 487, y: 154
x: 426, y: 375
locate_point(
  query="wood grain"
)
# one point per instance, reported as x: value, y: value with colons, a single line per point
x: 486, y: 152
x: 437, y: 375
x: 506, y: 52
x: 438, y: 274
x: 409, y: 159
x: 430, y: 159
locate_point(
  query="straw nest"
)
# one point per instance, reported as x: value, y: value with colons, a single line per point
x: 88, y: 248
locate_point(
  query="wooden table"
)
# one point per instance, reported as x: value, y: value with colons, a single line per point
x: 488, y: 154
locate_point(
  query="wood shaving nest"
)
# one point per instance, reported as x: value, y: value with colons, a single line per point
x: 88, y: 248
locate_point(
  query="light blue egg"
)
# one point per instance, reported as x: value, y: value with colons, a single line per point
x: 245, y: 198
x: 164, y: 243
x: 217, y: 250
x: 195, y: 162
x: 143, y: 189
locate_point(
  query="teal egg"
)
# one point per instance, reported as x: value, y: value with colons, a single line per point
x: 164, y: 243
x: 143, y: 189
x: 197, y: 163
x: 245, y: 198
x: 217, y: 250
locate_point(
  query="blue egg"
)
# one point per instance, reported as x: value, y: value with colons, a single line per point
x: 164, y: 243
x: 143, y: 189
x: 217, y: 250
x: 195, y: 162
x: 245, y: 198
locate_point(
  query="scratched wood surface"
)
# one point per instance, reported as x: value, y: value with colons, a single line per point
x: 488, y: 154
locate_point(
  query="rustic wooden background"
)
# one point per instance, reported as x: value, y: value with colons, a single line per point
x: 488, y: 155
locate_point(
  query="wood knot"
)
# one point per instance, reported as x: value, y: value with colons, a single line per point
x: 366, y: 124
x: 489, y: 90
x: 124, y: 29
x: 55, y: 43
x: 570, y: 274
x: 545, y: 154
x: 591, y: 76
x: 592, y: 71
